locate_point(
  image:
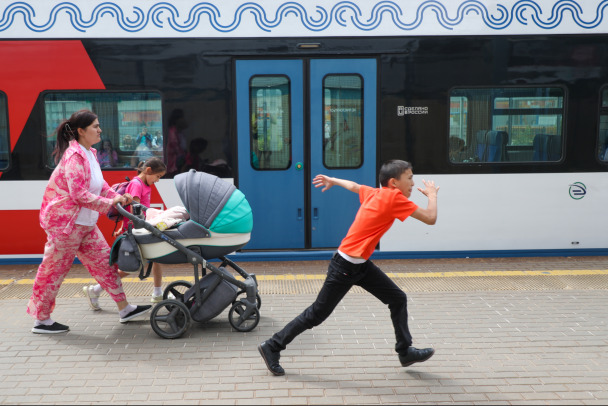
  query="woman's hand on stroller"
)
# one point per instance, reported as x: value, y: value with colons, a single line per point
x: 124, y: 200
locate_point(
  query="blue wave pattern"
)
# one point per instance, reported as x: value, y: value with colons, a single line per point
x: 348, y: 14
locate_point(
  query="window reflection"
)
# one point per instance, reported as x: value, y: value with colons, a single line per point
x: 603, y: 132
x: 342, y: 121
x: 506, y: 125
x: 270, y: 122
x: 131, y: 124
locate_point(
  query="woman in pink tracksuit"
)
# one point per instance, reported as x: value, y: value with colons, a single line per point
x: 74, y: 197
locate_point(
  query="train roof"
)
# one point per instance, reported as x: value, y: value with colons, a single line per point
x: 304, y: 18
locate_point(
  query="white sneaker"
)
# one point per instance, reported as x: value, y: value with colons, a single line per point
x: 92, y: 296
x: 156, y: 299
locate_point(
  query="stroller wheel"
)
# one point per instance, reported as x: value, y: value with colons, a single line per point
x: 170, y: 319
x: 237, y: 319
x: 177, y: 289
x: 258, y: 299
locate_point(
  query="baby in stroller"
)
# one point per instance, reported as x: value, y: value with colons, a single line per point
x: 220, y: 223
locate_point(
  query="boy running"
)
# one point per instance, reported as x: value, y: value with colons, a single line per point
x: 351, y: 265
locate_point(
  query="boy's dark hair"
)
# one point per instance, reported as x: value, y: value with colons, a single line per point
x: 392, y: 169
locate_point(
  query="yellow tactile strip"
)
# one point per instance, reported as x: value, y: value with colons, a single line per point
x: 410, y: 282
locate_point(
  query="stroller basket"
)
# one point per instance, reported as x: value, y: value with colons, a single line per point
x: 220, y: 223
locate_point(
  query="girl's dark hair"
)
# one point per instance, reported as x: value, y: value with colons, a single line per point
x: 392, y: 169
x: 155, y: 164
x: 68, y: 131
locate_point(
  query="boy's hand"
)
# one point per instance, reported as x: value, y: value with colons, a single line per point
x: 322, y: 180
x: 430, y: 190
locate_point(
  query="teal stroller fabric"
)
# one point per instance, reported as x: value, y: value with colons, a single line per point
x: 214, y: 203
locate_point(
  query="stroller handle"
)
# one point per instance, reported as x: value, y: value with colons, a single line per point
x: 138, y: 215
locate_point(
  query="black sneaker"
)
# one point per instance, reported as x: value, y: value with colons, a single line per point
x: 139, y: 310
x: 52, y: 329
x: 271, y: 358
x: 415, y: 355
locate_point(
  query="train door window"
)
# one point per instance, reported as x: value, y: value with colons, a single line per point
x: 131, y: 124
x: 342, y: 121
x: 4, y: 140
x: 506, y: 125
x: 270, y: 122
x: 603, y: 127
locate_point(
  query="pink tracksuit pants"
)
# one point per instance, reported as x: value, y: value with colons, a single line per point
x: 92, y: 250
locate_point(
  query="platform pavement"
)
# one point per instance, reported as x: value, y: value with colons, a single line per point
x: 492, y: 347
x: 388, y: 265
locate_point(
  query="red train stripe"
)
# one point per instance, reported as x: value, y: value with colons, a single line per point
x: 30, y: 67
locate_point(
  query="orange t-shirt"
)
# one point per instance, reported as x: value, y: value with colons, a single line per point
x: 378, y: 211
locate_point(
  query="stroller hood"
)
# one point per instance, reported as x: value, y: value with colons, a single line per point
x: 214, y: 203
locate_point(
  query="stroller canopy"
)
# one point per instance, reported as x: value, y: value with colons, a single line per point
x: 214, y: 203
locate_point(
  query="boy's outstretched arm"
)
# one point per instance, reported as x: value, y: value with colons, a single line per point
x: 428, y: 215
x: 327, y: 182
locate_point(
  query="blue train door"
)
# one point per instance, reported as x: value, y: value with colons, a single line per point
x: 342, y: 141
x: 295, y: 119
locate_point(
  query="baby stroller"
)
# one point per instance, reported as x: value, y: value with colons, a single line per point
x: 220, y: 223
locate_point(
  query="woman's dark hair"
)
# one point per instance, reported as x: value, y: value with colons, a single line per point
x: 155, y: 164
x: 392, y: 169
x: 68, y: 131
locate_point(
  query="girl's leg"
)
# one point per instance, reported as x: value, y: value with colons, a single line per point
x: 97, y: 289
x: 94, y: 253
x: 157, y: 273
x: 59, y: 252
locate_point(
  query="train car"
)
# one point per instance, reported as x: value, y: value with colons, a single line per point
x: 504, y: 104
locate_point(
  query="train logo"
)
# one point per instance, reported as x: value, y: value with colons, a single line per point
x: 405, y: 110
x: 578, y: 190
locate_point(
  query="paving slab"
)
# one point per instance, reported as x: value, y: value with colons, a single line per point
x: 530, y: 345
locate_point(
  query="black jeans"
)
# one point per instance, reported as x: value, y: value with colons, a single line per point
x: 341, y: 276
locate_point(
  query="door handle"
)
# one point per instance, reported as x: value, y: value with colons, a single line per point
x: 315, y: 213
x: 299, y: 215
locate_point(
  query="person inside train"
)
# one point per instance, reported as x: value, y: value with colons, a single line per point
x: 176, y: 142
x: 193, y: 158
x: 107, y: 157
x: 351, y: 266
x: 74, y: 196
x: 457, y: 147
x: 144, y: 151
x: 143, y: 134
x: 128, y: 143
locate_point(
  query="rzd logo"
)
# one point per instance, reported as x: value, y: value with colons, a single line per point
x: 578, y: 190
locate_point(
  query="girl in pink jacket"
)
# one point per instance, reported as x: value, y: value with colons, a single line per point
x: 74, y: 197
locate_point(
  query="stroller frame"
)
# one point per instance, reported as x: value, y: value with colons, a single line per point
x: 171, y: 317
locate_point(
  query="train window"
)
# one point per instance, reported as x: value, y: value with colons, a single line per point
x: 4, y: 140
x: 603, y: 133
x: 270, y: 122
x: 342, y: 121
x: 131, y: 124
x: 506, y: 125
